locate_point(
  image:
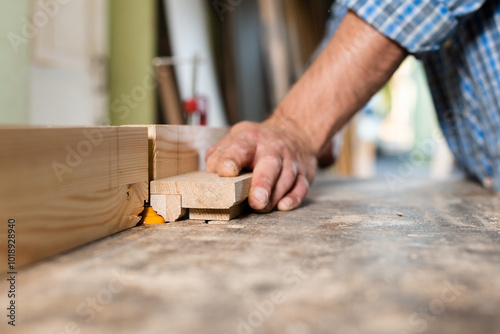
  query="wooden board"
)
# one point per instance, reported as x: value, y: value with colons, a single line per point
x: 169, y: 95
x: 65, y: 187
x: 190, y: 34
x: 168, y: 206
x: 175, y: 150
x: 275, y: 46
x: 203, y: 190
x: 218, y: 214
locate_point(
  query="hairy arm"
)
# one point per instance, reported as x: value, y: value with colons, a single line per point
x: 283, y: 151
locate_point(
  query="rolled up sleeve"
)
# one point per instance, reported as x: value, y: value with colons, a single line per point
x: 419, y: 26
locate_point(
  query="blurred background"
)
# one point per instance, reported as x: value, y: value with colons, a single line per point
x: 208, y: 62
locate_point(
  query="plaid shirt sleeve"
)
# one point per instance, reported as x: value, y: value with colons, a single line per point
x: 419, y: 26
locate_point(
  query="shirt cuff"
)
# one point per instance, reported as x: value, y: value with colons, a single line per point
x: 419, y: 26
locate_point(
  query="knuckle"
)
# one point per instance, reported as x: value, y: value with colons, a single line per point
x: 244, y: 126
x: 272, y: 161
x: 280, y: 146
x: 265, y: 182
x: 251, y: 136
x: 248, y: 130
x: 289, y: 174
x: 304, y: 169
x: 241, y: 146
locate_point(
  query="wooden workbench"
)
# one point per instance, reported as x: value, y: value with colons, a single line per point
x: 355, y: 258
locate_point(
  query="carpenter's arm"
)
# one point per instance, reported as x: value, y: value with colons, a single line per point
x: 283, y: 150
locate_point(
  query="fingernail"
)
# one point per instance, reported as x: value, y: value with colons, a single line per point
x: 228, y: 164
x: 261, y: 195
x: 285, y: 204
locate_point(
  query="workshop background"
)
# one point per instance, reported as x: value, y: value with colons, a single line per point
x: 214, y: 62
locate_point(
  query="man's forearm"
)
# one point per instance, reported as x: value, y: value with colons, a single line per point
x: 355, y: 65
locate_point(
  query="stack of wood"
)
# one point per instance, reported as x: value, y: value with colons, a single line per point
x: 65, y: 187
x: 178, y: 180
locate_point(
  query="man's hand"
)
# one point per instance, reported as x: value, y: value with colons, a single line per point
x: 282, y: 151
x: 281, y: 159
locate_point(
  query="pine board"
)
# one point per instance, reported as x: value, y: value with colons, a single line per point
x: 204, y: 190
x: 175, y: 149
x: 168, y: 206
x: 68, y: 186
x: 217, y: 214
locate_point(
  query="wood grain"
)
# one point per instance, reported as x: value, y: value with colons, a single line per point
x: 169, y: 95
x: 218, y: 214
x: 203, y: 190
x: 175, y: 150
x: 168, y: 206
x: 69, y: 186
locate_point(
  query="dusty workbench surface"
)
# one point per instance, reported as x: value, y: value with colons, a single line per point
x: 356, y: 258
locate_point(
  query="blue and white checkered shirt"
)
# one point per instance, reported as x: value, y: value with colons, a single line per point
x: 458, y: 42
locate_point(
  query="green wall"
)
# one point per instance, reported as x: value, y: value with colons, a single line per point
x: 14, y: 84
x: 132, y: 49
